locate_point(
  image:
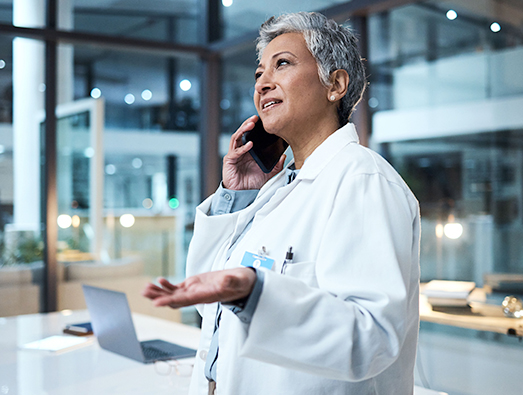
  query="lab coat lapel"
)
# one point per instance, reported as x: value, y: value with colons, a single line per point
x: 275, y: 190
x: 323, y: 154
x: 265, y: 194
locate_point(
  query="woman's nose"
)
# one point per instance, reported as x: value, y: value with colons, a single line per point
x: 263, y: 83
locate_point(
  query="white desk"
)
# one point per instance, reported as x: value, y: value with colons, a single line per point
x: 504, y: 325
x: 88, y: 370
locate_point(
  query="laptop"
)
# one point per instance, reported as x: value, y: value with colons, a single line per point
x: 113, y: 326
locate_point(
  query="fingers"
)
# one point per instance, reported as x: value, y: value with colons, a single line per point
x: 279, y: 166
x: 150, y: 288
x: 166, y: 284
x: 166, y: 301
x: 248, y: 124
x: 223, y: 285
x: 240, y: 151
x: 153, y: 291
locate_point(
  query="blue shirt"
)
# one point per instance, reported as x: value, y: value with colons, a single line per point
x: 227, y: 201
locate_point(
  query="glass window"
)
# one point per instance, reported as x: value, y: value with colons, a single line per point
x: 240, y: 17
x: 173, y: 21
x: 432, y: 54
x: 146, y: 183
x: 237, y: 89
x: 6, y: 11
x: 141, y: 91
x: 445, y: 95
x: 470, y: 189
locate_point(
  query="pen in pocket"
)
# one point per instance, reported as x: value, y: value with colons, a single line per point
x: 288, y: 259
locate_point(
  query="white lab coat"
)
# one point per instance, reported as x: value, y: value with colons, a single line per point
x: 343, y: 319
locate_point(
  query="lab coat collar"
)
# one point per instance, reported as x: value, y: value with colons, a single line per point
x: 315, y: 163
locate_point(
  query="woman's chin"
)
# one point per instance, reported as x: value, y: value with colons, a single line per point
x: 272, y: 127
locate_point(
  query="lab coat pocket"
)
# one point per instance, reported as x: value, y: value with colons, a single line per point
x: 304, y: 271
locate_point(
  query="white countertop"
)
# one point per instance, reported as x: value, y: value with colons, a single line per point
x: 90, y: 369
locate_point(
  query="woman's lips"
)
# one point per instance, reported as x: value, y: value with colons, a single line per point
x: 270, y: 104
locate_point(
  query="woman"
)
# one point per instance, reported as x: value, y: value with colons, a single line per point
x: 340, y: 316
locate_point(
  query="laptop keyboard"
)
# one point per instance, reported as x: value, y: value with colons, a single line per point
x: 151, y: 352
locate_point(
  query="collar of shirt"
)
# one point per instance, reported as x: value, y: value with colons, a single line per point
x: 315, y: 163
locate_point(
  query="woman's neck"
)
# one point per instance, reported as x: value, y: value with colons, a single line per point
x: 304, y: 143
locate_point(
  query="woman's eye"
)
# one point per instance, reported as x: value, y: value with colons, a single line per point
x: 282, y: 62
x: 257, y: 75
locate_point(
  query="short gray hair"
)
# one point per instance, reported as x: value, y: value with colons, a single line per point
x: 333, y: 46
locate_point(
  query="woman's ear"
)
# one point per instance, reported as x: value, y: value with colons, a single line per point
x: 339, y: 80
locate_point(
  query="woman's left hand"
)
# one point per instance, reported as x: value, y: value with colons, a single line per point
x: 218, y: 286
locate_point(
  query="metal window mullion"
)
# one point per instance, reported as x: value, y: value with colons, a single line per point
x: 50, y: 197
x: 210, y: 121
x: 210, y: 126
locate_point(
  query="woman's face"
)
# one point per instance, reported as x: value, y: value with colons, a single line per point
x: 288, y: 95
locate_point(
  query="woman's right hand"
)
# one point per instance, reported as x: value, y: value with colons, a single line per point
x: 240, y: 171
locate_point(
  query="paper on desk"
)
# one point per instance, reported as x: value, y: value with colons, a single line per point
x: 59, y: 344
x: 448, y: 289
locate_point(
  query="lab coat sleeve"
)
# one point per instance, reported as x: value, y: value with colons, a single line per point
x: 353, y: 326
x: 214, y: 224
x: 210, y: 240
x: 210, y: 235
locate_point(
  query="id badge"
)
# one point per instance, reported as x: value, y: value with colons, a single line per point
x: 256, y: 261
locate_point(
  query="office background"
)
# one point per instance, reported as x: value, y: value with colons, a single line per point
x: 114, y: 116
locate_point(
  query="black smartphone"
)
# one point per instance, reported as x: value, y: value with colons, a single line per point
x: 84, y: 329
x: 267, y: 148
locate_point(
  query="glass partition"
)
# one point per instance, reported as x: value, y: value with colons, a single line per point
x: 6, y: 11
x: 240, y: 17
x: 446, y: 97
x: 80, y: 158
x: 237, y: 89
x: 148, y: 179
x: 470, y: 189
x: 173, y: 21
x: 141, y: 91
x: 433, y: 54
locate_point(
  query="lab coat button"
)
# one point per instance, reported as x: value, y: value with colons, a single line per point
x: 243, y: 319
x: 203, y: 355
x: 227, y: 197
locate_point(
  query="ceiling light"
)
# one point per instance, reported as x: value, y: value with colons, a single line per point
x: 96, y: 93
x: 453, y: 230
x: 110, y: 169
x: 75, y: 221
x: 495, y: 27
x: 147, y: 95
x: 451, y: 15
x: 89, y: 152
x: 127, y: 220
x: 64, y: 221
x: 129, y: 98
x: 137, y: 163
x: 147, y: 203
x: 373, y: 102
x: 185, y: 85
